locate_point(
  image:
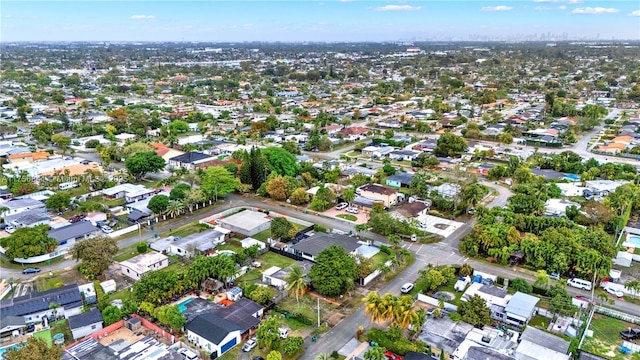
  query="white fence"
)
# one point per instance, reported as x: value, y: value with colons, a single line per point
x: 435, y: 302
x: 121, y: 232
x: 618, y: 315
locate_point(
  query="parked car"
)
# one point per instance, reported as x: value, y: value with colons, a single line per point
x: 353, y: 210
x: 630, y: 334
x: 389, y: 355
x: 615, y: 292
x: 406, y: 288
x: 487, y: 281
x: 76, y: 218
x: 10, y: 229
x: 31, y: 271
x: 414, y: 237
x: 342, y: 205
x: 250, y: 345
x: 554, y: 276
x: 106, y: 229
x: 443, y: 295
x: 188, y: 354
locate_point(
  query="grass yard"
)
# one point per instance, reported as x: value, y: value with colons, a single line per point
x: 232, y: 245
x: 62, y: 326
x: 253, y: 276
x: 347, y: 217
x: 44, y: 335
x: 270, y: 259
x: 51, y: 282
x: 379, y: 259
x: 606, y: 338
x: 539, y: 322
x: 185, y: 230
x: 124, y: 294
x: 127, y: 253
x: 308, y: 306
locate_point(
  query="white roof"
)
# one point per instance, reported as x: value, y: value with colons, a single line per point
x: 272, y: 270
x: 141, y: 263
x: 127, y: 188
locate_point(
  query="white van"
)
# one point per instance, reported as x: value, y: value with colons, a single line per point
x: 579, y: 283
x: 67, y: 185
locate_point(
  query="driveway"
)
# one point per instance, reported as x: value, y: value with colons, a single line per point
x: 362, y: 216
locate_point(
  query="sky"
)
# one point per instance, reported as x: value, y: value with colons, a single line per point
x: 327, y: 20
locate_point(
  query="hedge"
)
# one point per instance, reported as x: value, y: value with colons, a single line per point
x: 400, y: 345
x: 385, y: 249
x: 297, y: 317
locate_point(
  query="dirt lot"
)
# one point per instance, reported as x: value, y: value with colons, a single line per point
x: 362, y: 216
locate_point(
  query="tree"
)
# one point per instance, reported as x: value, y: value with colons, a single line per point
x: 111, y: 315
x: 156, y: 286
x: 505, y: 138
x: 217, y: 181
x: 433, y: 279
x: 296, y: 282
x: 62, y: 141
x: 299, y: 196
x: 323, y: 199
x: 158, y: 204
x: 349, y: 195
x: 542, y: 279
x: 134, y: 148
x: 58, y: 201
x: 268, y: 335
x: 28, y: 242
x: 473, y: 194
x: 633, y: 286
x: 292, y: 147
x: 138, y: 165
x: 292, y: 344
x: 254, y: 169
x: 475, y: 311
x: 96, y: 254
x: 281, y: 228
x: 274, y: 355
x: 36, y: 349
x: 170, y: 316
x: 374, y: 307
x: 277, y: 188
x: 263, y: 295
x: 450, y: 145
x: 375, y: 353
x: 334, y: 272
x: 178, y: 191
x: 560, y: 302
x: 521, y: 285
x: 281, y: 161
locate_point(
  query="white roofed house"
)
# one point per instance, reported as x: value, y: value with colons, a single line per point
x: 142, y: 264
x: 198, y: 242
x: 129, y: 192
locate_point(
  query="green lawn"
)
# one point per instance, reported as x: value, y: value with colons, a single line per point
x: 606, y: 338
x: 185, y: 230
x: 51, y: 282
x: 123, y: 295
x: 253, y: 276
x: 44, y: 335
x: 539, y: 321
x: 270, y: 259
x: 379, y: 259
x: 308, y: 306
x: 347, y: 217
x: 62, y: 326
x: 127, y: 253
x: 232, y: 245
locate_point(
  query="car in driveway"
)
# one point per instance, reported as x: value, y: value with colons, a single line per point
x: 353, y: 210
x: 630, y: 334
x: 443, y: 295
x: 342, y: 205
x: 106, y: 229
x: 31, y: 271
x: 76, y: 218
x: 250, y: 344
x: 406, y: 288
x: 390, y: 355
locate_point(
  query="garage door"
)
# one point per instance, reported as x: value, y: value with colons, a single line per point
x: 224, y: 348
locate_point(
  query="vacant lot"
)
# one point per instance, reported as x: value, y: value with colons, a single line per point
x: 606, y: 337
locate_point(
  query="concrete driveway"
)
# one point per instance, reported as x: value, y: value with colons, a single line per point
x: 362, y: 216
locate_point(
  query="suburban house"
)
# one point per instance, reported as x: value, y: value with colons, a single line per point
x: 37, y: 305
x: 400, y: 180
x: 129, y: 192
x: 29, y: 218
x: 190, y: 160
x: 143, y: 263
x: 388, y: 196
x: 540, y: 345
x: 165, y: 152
x: 518, y: 311
x: 72, y: 233
x: 354, y: 133
x: 447, y: 191
x: 124, y: 137
x: 404, y: 155
x: 85, y: 324
x: 492, y: 295
x: 201, y: 241
x: 17, y: 206
x: 310, y: 247
x: 29, y: 157
x: 221, y: 329
x: 9, y: 325
x: 277, y: 277
x: 412, y: 210
x: 558, y: 207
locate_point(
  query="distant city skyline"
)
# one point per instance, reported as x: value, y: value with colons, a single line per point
x: 319, y: 21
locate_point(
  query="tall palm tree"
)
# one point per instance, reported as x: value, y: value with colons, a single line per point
x: 388, y: 307
x: 373, y: 307
x: 404, y: 312
x: 632, y: 285
x: 296, y: 282
x: 175, y: 208
x: 323, y: 356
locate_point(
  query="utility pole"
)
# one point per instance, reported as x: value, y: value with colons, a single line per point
x: 318, y: 312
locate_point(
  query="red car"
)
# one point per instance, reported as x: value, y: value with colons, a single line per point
x: 76, y: 218
x: 392, y: 356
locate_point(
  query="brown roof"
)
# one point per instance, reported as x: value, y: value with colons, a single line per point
x: 41, y: 155
x: 379, y: 189
x: 354, y: 130
x: 413, y: 209
x: 74, y: 170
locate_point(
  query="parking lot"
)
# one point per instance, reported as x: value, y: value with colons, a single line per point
x: 362, y: 217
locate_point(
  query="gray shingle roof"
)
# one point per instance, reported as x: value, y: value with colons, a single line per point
x: 211, y: 327
x: 190, y: 157
x: 67, y: 296
x: 73, y: 231
x: 314, y: 244
x: 545, y: 339
x: 90, y: 317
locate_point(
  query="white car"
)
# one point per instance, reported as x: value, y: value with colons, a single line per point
x: 615, y: 292
x: 106, y: 229
x: 250, y: 345
x: 353, y: 210
x: 342, y: 206
x: 406, y: 288
x: 10, y: 229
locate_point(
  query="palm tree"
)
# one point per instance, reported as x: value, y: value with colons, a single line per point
x: 373, y: 307
x: 632, y: 285
x: 323, y: 356
x: 404, y: 312
x: 388, y: 307
x: 175, y: 208
x: 296, y: 282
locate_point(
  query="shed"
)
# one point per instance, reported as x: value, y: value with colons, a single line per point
x: 212, y: 285
x: 108, y: 286
x: 234, y: 294
x: 623, y: 259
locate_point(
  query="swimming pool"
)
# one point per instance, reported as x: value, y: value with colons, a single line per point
x: 182, y: 306
x: 634, y: 240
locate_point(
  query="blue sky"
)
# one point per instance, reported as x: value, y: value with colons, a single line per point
x: 305, y: 20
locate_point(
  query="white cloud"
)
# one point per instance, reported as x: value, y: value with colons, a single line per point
x: 635, y: 13
x: 142, y: 17
x: 595, y: 10
x: 562, y: 7
x: 547, y: 8
x: 576, y: 1
x: 497, y: 8
x: 547, y: 1
x: 397, y: 8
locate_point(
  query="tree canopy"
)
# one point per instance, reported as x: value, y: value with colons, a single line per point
x: 450, y: 145
x: 36, y: 349
x: 139, y: 164
x: 29, y: 241
x: 218, y: 182
x: 334, y: 272
x: 281, y: 161
x: 96, y: 254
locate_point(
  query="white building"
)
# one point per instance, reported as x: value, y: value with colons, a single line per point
x: 129, y: 192
x: 85, y: 324
x: 142, y: 264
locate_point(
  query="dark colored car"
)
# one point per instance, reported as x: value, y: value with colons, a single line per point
x: 257, y: 358
x: 31, y: 271
x: 630, y: 334
x: 443, y: 295
x: 76, y: 218
x: 389, y: 355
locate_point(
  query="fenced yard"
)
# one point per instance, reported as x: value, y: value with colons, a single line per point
x: 606, y: 338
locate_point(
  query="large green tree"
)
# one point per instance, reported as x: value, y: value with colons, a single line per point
x: 334, y: 272
x: 217, y: 181
x: 139, y: 164
x: 450, y: 144
x: 281, y: 161
x: 254, y: 169
x: 268, y: 335
x: 281, y: 228
x: 170, y: 316
x: 111, y: 314
x: 28, y: 242
x: 58, y: 201
x: 96, y: 254
x: 158, y: 204
x: 475, y: 311
x: 36, y: 349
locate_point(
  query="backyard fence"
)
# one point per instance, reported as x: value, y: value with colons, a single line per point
x: 618, y: 315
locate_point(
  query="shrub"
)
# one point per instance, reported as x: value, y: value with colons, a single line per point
x: 142, y: 247
x: 455, y: 317
x: 385, y: 249
x: 520, y: 284
x: 500, y: 280
x: 320, y: 228
x: 393, y: 340
x: 334, y: 354
x: 539, y: 291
